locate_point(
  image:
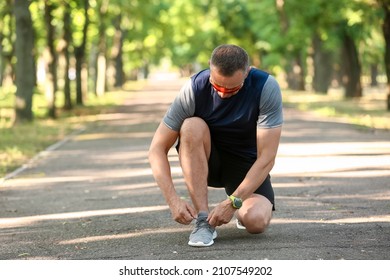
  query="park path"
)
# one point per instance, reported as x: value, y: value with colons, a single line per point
x: 93, y: 196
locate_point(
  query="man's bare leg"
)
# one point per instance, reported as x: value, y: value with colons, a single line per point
x: 255, y: 213
x: 194, y: 151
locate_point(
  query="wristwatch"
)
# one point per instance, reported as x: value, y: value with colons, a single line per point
x: 236, y: 201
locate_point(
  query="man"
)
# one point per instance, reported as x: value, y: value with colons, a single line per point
x: 228, y: 120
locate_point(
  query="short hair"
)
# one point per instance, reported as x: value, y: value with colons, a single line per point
x: 229, y: 58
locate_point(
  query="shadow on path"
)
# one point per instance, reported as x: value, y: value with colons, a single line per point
x: 94, y: 197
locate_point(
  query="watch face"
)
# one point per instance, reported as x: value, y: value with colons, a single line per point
x: 237, y: 202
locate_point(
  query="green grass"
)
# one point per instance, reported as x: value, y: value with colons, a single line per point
x: 368, y: 112
x: 21, y: 142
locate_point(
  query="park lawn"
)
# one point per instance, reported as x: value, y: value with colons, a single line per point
x: 367, y: 112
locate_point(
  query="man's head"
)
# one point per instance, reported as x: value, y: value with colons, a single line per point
x: 227, y: 59
x: 229, y: 66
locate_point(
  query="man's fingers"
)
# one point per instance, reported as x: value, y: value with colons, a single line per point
x: 192, y: 212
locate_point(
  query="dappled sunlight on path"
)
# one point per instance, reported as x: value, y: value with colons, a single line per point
x: 93, y: 196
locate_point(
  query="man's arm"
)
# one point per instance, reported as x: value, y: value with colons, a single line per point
x: 163, y: 140
x: 267, y: 147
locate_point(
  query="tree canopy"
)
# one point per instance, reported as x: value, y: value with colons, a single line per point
x: 71, y: 47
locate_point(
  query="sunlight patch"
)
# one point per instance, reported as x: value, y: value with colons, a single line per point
x: 29, y: 220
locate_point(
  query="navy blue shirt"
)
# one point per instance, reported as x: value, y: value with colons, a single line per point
x: 233, y: 122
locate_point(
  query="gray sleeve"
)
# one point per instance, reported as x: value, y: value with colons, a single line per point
x: 271, y: 107
x: 181, y: 108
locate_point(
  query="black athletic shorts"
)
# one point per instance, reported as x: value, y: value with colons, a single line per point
x: 228, y: 171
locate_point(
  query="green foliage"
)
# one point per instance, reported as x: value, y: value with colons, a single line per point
x: 274, y: 32
x: 185, y: 31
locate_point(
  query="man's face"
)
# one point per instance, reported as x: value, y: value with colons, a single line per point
x: 226, y: 87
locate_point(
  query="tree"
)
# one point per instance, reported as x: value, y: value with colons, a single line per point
x: 295, y: 47
x: 299, y: 40
x: 80, y: 52
x: 323, y: 64
x: 51, y: 60
x: 351, y: 67
x: 67, y: 39
x: 386, y: 34
x: 25, y: 70
x: 101, y: 62
x: 117, y: 52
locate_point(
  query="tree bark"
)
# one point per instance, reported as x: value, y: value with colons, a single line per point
x: 118, y: 54
x: 25, y: 72
x: 322, y: 60
x: 296, y: 74
x: 51, y: 84
x: 386, y: 35
x: 67, y: 38
x: 352, y: 68
x: 81, y: 68
x: 101, y: 66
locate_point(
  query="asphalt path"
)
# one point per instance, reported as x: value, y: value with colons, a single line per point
x: 92, y: 196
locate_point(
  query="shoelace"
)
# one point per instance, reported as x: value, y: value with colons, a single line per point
x: 202, y: 223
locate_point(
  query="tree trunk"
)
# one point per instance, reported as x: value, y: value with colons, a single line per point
x: 67, y: 39
x: 386, y: 35
x: 25, y: 72
x: 81, y: 68
x: 296, y: 74
x: 352, y: 68
x: 295, y: 70
x: 101, y: 63
x: 118, y: 54
x: 51, y: 62
x: 374, y: 75
x: 322, y: 60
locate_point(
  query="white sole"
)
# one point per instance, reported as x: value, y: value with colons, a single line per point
x: 201, y: 244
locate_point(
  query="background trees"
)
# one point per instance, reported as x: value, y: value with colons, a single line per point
x: 66, y: 49
x: 24, y: 69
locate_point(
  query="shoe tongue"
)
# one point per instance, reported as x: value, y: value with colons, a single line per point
x: 202, y: 215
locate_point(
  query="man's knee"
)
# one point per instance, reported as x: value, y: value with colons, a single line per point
x: 193, y: 129
x: 257, y: 223
x: 256, y: 213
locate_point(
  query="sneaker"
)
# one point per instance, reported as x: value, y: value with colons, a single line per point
x: 203, y: 234
x: 239, y: 225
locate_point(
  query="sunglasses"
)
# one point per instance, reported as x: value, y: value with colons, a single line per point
x: 225, y: 90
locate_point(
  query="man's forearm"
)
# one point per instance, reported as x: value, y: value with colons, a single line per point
x: 162, y: 175
x: 254, y: 178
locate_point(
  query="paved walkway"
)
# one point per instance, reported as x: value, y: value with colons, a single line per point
x: 94, y: 197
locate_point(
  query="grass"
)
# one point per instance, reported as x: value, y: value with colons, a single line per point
x: 368, y: 112
x: 21, y: 142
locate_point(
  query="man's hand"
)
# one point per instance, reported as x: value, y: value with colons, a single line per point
x: 182, y: 212
x: 221, y: 214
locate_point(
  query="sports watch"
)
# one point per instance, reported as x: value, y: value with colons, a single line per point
x: 236, y: 201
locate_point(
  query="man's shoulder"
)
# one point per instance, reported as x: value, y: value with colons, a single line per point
x: 200, y: 81
x: 258, y: 73
x: 201, y: 75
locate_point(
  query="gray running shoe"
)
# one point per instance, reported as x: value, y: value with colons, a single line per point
x: 203, y: 234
